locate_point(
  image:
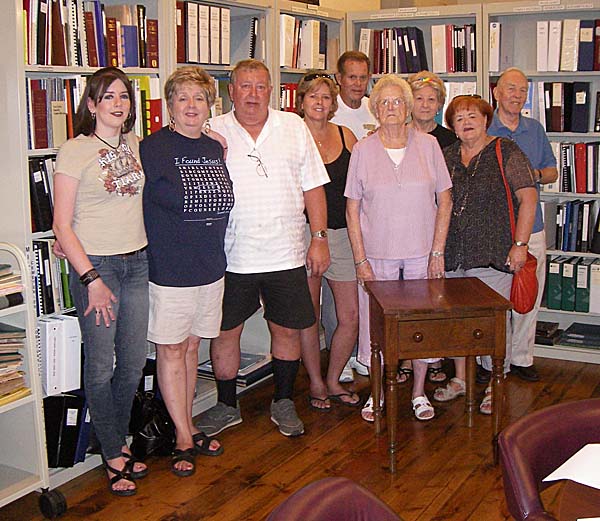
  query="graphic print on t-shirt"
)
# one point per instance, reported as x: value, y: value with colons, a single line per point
x: 122, y: 172
x: 207, y: 192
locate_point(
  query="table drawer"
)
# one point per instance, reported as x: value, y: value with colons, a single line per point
x: 447, y: 334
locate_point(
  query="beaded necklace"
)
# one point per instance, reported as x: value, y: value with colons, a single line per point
x: 458, y: 209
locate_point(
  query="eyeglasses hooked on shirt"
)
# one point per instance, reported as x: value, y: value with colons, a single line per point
x: 390, y: 102
x: 261, y: 169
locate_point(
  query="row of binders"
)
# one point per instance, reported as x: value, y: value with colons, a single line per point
x: 394, y: 50
x: 561, y: 45
x: 578, y: 168
x: 303, y: 43
x: 573, y: 284
x: 59, y: 353
x: 53, y: 104
x: 287, y: 96
x: 12, y: 378
x: 89, y: 33
x: 572, y: 226
x: 204, y: 34
x: 560, y: 106
x: 50, y: 279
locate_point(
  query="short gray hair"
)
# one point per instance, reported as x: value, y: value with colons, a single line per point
x: 391, y: 80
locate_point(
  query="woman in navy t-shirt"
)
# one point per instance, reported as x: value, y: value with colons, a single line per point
x: 187, y: 200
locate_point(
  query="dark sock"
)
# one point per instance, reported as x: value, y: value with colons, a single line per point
x: 284, y: 376
x: 226, y: 392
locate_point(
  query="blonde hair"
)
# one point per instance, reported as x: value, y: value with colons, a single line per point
x: 428, y: 79
x: 190, y: 74
x: 311, y: 81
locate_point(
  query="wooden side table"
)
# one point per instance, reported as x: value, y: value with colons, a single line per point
x: 429, y: 319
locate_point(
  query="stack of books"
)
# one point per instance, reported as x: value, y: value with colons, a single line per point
x: 581, y: 335
x: 547, y: 333
x: 12, y: 381
x: 253, y: 367
x: 11, y: 289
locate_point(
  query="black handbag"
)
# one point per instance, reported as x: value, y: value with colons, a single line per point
x: 151, y: 425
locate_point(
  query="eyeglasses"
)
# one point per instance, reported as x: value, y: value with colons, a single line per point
x: 261, y: 169
x: 390, y: 102
x: 315, y: 75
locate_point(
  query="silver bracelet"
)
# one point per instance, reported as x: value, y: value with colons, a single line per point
x: 437, y: 253
x: 357, y: 264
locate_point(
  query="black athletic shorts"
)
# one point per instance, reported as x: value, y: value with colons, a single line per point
x: 284, y: 294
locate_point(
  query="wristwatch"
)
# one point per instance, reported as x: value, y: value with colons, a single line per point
x: 520, y: 243
x: 319, y: 234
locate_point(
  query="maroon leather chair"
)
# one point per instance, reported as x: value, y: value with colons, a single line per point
x: 537, y: 444
x: 333, y: 499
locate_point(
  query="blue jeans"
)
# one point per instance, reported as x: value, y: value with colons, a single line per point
x: 115, y: 355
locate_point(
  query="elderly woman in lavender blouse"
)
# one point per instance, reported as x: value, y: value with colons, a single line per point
x: 398, y: 211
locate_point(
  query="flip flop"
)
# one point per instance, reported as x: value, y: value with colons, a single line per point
x: 404, y: 374
x: 320, y: 400
x: 187, y: 455
x: 338, y: 399
x: 203, y: 448
x: 436, y: 375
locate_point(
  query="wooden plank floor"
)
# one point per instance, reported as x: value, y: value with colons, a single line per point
x: 445, y: 469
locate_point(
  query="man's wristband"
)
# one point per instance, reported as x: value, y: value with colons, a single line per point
x: 360, y: 262
x: 89, y: 276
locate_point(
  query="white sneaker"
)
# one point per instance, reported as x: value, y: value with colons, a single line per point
x: 347, y: 375
x: 361, y: 369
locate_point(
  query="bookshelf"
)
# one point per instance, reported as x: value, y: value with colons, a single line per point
x: 23, y: 464
x: 424, y: 18
x: 251, y: 22
x: 331, y: 31
x: 519, y: 48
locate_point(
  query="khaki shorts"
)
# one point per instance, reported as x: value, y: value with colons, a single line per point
x: 176, y: 313
x: 342, y: 261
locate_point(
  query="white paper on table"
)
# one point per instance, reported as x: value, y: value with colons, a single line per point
x: 583, y: 467
x: 588, y: 519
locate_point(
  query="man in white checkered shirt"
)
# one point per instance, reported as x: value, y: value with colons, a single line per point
x: 276, y: 172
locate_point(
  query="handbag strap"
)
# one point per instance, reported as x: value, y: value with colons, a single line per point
x: 511, y: 208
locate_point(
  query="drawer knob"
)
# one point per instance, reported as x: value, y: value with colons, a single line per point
x: 418, y: 337
x: 478, y: 334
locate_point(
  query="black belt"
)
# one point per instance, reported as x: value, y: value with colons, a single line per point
x: 130, y: 253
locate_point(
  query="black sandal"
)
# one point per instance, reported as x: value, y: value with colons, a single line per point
x: 130, y: 461
x: 187, y: 455
x: 118, y: 476
x: 432, y: 372
x: 203, y: 448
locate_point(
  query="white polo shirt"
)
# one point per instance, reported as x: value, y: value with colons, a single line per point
x: 360, y: 121
x: 266, y: 226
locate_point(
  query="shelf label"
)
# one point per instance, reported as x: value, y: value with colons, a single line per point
x: 148, y: 382
x: 72, y: 417
x: 429, y: 13
x: 527, y: 9
x: 310, y: 9
x: 549, y: 2
x: 553, y: 8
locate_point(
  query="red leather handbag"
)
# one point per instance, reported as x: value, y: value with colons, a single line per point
x: 524, y: 290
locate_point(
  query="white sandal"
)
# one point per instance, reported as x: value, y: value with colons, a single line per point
x: 423, y: 409
x: 367, y: 412
x: 445, y: 394
x: 486, y: 405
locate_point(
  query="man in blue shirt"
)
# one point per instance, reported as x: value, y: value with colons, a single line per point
x: 511, y: 93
